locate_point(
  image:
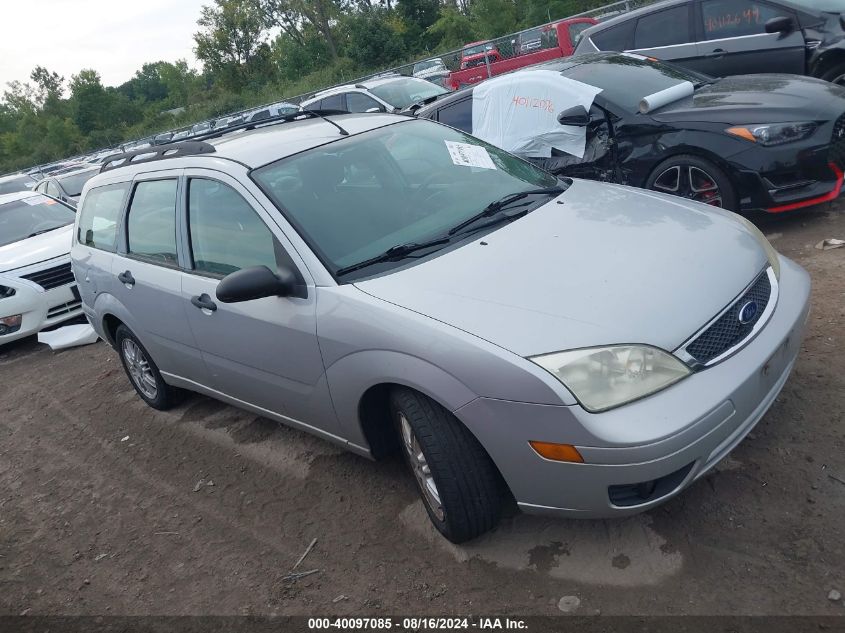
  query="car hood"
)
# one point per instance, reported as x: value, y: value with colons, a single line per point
x: 743, y: 99
x: 602, y: 264
x: 36, y: 249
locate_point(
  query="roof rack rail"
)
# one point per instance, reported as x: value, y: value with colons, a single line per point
x: 273, y: 120
x: 156, y: 152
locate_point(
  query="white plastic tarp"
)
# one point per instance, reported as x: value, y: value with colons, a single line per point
x: 69, y: 336
x: 518, y: 112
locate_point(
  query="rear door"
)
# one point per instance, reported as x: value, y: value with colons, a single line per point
x: 147, y: 279
x: 667, y: 34
x: 733, y: 39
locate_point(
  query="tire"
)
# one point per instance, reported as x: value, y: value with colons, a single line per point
x: 464, y: 477
x: 137, y: 363
x: 693, y: 175
x: 835, y: 74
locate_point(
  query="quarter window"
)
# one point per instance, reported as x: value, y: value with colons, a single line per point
x: 356, y: 102
x: 99, y: 214
x: 151, y: 227
x: 335, y: 102
x: 226, y: 233
x: 736, y: 18
x: 663, y: 28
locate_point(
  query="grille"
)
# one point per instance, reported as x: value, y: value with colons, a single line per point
x: 54, y: 277
x: 727, y: 330
x: 837, y: 143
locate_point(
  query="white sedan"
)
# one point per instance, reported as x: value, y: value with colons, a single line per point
x: 37, y: 287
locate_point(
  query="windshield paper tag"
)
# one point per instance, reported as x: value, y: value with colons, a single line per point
x: 469, y: 155
x: 34, y: 201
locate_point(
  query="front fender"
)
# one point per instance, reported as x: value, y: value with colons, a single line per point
x: 351, y: 376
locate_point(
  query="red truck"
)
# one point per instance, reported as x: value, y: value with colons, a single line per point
x: 533, y: 46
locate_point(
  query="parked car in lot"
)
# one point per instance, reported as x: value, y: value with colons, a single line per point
x: 67, y: 187
x: 753, y: 142
x: 277, y: 109
x: 433, y: 70
x: 385, y: 94
x: 380, y: 280
x: 37, y: 288
x: 180, y: 135
x: 535, y: 46
x: 733, y: 37
x: 161, y: 139
x: 479, y: 54
x: 11, y: 183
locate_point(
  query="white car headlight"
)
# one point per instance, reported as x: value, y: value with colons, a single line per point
x: 771, y: 253
x: 602, y: 378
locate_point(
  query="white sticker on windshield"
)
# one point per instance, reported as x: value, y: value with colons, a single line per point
x: 39, y: 199
x: 469, y: 155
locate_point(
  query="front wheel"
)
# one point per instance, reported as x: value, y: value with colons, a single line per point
x: 835, y: 75
x: 456, y: 478
x: 696, y: 179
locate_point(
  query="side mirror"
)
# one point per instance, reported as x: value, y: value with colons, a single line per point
x: 368, y: 110
x: 780, y: 24
x: 255, y: 283
x: 576, y: 116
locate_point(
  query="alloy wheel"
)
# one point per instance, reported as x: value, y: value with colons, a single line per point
x: 419, y: 466
x: 139, y: 369
x: 690, y: 182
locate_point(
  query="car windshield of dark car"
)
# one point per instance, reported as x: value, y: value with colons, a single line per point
x: 406, y: 183
x: 625, y: 79
x: 31, y: 216
x: 74, y: 183
x: 403, y: 92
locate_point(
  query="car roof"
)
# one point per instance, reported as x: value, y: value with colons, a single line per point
x: 267, y: 143
x: 11, y: 177
x: 366, y: 84
x: 17, y: 195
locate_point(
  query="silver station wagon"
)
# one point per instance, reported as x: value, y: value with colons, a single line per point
x: 394, y: 284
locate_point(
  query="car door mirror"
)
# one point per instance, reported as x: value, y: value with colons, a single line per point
x: 576, y: 116
x: 780, y: 24
x: 256, y: 282
x: 374, y: 110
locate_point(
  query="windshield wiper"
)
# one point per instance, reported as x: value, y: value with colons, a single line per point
x: 394, y: 254
x: 505, y: 201
x: 43, y: 231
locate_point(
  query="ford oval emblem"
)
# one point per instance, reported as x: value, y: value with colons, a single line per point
x: 747, y: 312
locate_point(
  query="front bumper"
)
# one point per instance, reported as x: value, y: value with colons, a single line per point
x: 40, y: 309
x: 643, y: 453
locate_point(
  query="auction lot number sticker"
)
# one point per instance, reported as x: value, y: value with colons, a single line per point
x: 417, y: 624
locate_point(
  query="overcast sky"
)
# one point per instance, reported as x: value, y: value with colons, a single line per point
x: 114, y: 37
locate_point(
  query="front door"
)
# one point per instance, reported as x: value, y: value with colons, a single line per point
x: 263, y: 352
x: 733, y: 40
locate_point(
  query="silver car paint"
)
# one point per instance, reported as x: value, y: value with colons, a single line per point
x: 609, y: 265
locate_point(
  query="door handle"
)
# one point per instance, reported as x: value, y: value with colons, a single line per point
x: 204, y: 302
x: 126, y: 278
x: 719, y: 52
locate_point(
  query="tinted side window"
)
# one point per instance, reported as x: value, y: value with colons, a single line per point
x: 616, y: 38
x: 151, y: 227
x: 226, y: 233
x: 575, y: 31
x: 99, y: 214
x: 335, y: 102
x: 663, y: 28
x: 356, y: 102
x: 735, y: 18
x: 458, y: 115
x: 261, y: 115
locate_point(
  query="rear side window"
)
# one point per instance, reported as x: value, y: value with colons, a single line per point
x: 335, y: 102
x: 616, y: 38
x: 151, y: 227
x: 226, y: 233
x: 663, y: 28
x: 736, y: 18
x: 457, y: 115
x: 356, y: 102
x: 99, y: 214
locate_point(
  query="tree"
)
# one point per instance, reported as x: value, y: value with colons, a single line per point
x: 49, y: 87
x: 371, y: 39
x: 289, y: 15
x: 493, y: 18
x: 452, y: 29
x: 232, y: 32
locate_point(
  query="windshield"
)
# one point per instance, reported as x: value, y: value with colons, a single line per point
x: 431, y: 63
x: 21, y: 183
x: 403, y: 92
x: 405, y: 183
x: 626, y: 78
x: 74, y: 183
x: 480, y: 48
x: 33, y: 215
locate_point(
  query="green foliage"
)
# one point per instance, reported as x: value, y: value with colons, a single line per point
x: 252, y: 52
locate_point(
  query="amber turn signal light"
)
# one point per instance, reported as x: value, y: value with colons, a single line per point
x: 557, y: 452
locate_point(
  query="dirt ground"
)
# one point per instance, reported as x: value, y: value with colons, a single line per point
x: 109, y: 507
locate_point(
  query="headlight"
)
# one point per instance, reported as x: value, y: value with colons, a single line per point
x: 602, y: 378
x: 774, y: 133
x: 771, y: 253
x: 6, y: 292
